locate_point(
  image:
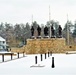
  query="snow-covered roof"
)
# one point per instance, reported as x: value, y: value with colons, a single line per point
x: 2, y: 39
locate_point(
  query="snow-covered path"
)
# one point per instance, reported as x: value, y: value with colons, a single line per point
x: 64, y: 65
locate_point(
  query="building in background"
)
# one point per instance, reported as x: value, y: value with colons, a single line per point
x: 2, y: 43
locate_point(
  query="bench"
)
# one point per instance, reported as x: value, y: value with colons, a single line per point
x: 6, y: 53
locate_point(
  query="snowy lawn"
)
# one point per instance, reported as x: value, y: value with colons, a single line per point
x: 64, y: 65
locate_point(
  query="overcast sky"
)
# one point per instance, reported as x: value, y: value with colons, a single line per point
x: 20, y: 11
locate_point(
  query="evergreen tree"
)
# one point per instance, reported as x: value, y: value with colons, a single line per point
x: 17, y: 30
x: 74, y: 32
x: 55, y: 25
x: 35, y: 25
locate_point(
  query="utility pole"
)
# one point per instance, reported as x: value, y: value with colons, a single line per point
x: 50, y: 20
x: 32, y: 19
x: 49, y: 13
x: 67, y: 30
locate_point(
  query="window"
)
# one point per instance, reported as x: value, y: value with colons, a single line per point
x: 3, y: 42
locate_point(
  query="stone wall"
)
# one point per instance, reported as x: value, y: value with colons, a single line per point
x: 56, y: 45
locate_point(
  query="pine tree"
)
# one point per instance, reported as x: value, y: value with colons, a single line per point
x: 74, y: 32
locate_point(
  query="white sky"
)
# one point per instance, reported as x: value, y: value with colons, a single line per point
x: 20, y: 11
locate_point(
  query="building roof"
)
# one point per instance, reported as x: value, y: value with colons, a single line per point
x: 2, y: 39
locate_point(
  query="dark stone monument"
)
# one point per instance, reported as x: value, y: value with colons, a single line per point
x: 52, y: 32
x: 46, y: 32
x: 60, y: 31
x: 32, y: 32
x: 39, y: 30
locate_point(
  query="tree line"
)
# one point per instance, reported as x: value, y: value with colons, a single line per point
x: 21, y: 32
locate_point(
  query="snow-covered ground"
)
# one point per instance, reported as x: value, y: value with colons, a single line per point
x: 64, y: 65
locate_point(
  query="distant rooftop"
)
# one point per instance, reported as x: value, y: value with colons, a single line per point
x: 2, y: 39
